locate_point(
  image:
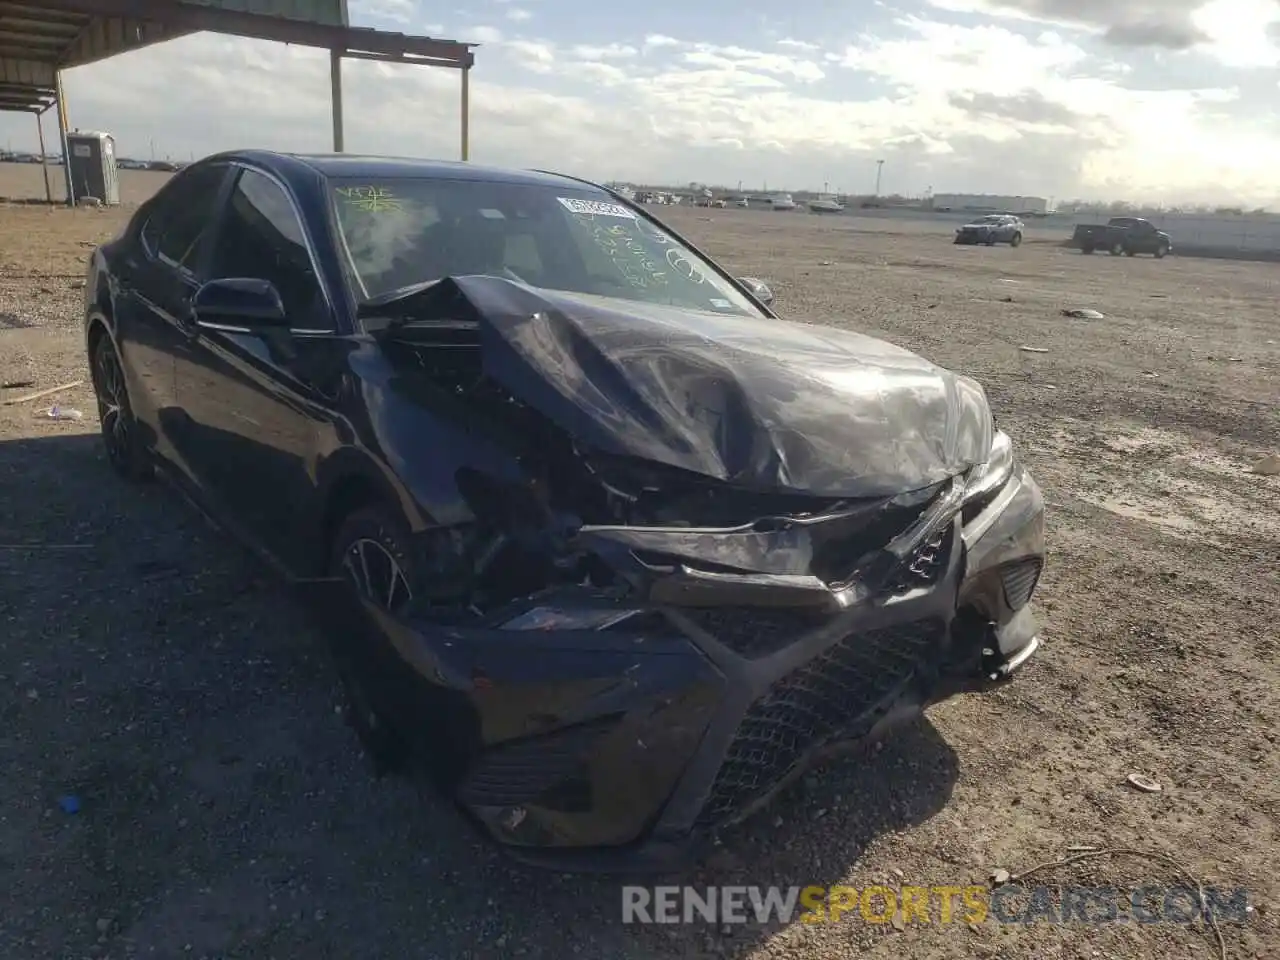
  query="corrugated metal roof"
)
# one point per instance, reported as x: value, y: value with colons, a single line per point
x: 37, y: 37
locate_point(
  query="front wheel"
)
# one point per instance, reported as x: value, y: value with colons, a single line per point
x: 1015, y: 240
x: 1161, y: 252
x: 1117, y: 249
x: 126, y: 448
x: 371, y: 552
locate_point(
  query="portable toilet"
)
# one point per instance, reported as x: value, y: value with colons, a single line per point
x: 92, y: 166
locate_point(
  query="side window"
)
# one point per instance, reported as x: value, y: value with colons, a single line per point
x: 261, y: 237
x: 183, y: 215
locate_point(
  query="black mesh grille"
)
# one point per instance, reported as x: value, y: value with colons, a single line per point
x: 1020, y: 580
x: 523, y: 771
x: 829, y: 698
x: 754, y: 632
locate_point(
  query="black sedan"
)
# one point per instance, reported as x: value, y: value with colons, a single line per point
x: 601, y: 543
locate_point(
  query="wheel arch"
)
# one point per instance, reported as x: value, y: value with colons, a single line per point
x: 350, y: 481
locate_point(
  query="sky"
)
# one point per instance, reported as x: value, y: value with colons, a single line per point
x: 1170, y: 101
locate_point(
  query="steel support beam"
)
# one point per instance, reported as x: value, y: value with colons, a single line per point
x: 62, y: 138
x: 466, y: 113
x: 190, y: 17
x: 335, y: 97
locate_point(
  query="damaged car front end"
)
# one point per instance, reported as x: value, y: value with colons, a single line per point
x: 697, y: 553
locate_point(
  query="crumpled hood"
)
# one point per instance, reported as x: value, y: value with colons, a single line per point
x: 760, y: 403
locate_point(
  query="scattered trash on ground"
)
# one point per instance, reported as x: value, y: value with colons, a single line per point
x: 41, y: 393
x: 16, y: 384
x: 1027, y: 349
x: 1145, y: 784
x: 1082, y: 314
x: 1267, y: 466
x: 1000, y: 877
x: 70, y: 804
x: 59, y: 412
x: 826, y: 263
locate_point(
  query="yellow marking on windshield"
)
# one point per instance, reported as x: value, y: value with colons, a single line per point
x: 371, y: 199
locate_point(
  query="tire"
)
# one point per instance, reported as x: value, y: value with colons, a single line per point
x: 1161, y: 252
x: 1015, y: 240
x: 1087, y: 249
x: 361, y: 537
x: 121, y: 434
x: 1117, y: 249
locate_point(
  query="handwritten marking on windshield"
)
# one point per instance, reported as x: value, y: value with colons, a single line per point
x: 371, y: 199
x: 681, y: 265
x: 627, y: 253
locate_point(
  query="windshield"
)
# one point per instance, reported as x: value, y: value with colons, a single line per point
x: 401, y: 232
x: 992, y: 219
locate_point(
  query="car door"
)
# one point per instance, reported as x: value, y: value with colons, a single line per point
x: 155, y: 280
x: 257, y: 402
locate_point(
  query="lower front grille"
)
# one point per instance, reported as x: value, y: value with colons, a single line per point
x: 754, y: 632
x: 526, y: 770
x: 830, y: 698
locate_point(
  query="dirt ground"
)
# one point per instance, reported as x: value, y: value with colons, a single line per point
x: 151, y: 671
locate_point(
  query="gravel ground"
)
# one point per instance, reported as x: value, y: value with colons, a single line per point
x: 152, y: 671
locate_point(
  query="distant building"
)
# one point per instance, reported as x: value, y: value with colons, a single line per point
x: 988, y: 203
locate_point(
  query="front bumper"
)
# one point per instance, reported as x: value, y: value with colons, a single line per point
x: 625, y: 748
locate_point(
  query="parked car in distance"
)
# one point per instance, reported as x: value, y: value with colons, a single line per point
x: 1127, y: 235
x: 604, y: 544
x: 992, y: 229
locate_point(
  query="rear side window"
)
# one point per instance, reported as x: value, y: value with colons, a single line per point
x: 183, y: 215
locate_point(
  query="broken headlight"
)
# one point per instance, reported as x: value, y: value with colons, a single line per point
x: 987, y: 478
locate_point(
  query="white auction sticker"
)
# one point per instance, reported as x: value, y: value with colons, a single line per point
x: 598, y: 208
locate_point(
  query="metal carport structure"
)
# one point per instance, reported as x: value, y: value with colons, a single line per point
x: 41, y: 38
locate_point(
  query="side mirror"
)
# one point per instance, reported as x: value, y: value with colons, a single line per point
x: 759, y: 289
x: 241, y: 302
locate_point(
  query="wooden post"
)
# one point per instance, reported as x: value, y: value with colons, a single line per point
x: 335, y: 95
x: 44, y: 163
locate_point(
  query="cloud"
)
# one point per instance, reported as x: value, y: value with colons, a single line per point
x: 481, y: 35
x: 1028, y: 107
x: 519, y: 15
x: 612, y: 51
x: 802, y: 45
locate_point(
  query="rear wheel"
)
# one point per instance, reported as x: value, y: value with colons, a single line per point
x: 1117, y: 249
x: 1015, y: 240
x: 1087, y: 248
x: 126, y: 449
x: 371, y: 552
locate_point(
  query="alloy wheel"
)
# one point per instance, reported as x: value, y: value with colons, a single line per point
x: 376, y: 574
x: 119, y: 427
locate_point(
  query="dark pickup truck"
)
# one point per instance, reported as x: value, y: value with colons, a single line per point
x: 1127, y: 235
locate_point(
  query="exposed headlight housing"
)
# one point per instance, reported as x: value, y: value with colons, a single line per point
x: 986, y: 478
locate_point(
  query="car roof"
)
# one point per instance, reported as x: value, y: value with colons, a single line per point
x: 392, y: 168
